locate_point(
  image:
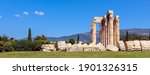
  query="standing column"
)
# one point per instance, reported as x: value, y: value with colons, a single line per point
x: 93, y: 32
x: 110, y: 26
x: 106, y: 31
x: 101, y: 33
x: 115, y: 33
x: 117, y: 28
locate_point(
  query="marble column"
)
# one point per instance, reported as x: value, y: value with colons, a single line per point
x: 101, y: 34
x: 110, y: 26
x: 93, y: 32
x: 117, y: 24
x: 106, y: 31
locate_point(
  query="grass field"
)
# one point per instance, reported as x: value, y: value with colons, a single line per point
x: 137, y: 54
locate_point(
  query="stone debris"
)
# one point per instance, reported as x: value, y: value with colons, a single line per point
x: 48, y: 48
x: 129, y: 45
x: 121, y: 46
x: 137, y: 45
x: 145, y: 45
x: 62, y: 45
x: 101, y: 47
x: 112, y: 48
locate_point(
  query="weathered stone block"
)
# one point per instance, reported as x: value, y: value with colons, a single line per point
x: 121, y: 46
x: 112, y: 48
x: 48, y: 48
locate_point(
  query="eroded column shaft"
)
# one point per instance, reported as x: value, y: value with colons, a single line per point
x: 110, y: 27
x: 93, y: 32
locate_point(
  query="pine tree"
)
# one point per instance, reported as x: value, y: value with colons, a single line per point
x: 29, y: 35
x: 78, y: 39
x: 127, y: 36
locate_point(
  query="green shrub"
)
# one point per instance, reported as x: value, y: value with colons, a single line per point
x: 8, y: 47
x: 24, y: 45
x: 72, y: 41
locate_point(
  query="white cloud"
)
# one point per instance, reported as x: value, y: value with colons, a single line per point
x: 39, y: 13
x: 25, y: 13
x: 17, y: 15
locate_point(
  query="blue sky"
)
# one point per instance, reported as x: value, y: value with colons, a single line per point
x: 55, y: 18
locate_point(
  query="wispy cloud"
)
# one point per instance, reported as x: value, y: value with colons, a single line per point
x: 39, y: 13
x: 17, y: 15
x: 25, y: 13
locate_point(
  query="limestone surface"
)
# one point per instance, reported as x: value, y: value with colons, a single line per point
x: 137, y: 45
x: 121, y: 45
x: 48, y: 48
x: 112, y: 48
x: 62, y: 45
x: 145, y: 45
x: 101, y: 47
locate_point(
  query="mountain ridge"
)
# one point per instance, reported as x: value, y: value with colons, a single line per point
x: 86, y: 36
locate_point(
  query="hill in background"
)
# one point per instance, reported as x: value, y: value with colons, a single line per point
x: 86, y: 36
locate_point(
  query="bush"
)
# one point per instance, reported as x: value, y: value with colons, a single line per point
x: 72, y: 41
x: 8, y: 47
x: 2, y: 46
x: 24, y: 45
x: 56, y: 45
x: 38, y: 43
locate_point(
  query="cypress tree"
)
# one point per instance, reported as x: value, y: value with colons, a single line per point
x: 149, y: 35
x: 127, y: 36
x: 78, y: 39
x: 29, y: 35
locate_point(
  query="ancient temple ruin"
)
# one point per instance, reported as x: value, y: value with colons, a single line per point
x: 109, y: 39
x: 109, y: 29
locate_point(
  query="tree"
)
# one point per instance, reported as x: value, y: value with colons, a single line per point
x: 43, y: 37
x: 2, y: 46
x: 29, y: 35
x: 39, y: 41
x: 24, y: 45
x: 4, y: 38
x: 78, y: 39
x: 40, y: 38
x: 127, y: 36
x: 8, y: 47
x: 72, y: 41
x: 149, y: 35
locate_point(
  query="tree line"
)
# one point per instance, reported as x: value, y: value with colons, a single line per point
x: 11, y: 44
x: 130, y: 37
